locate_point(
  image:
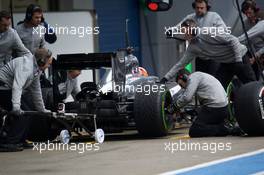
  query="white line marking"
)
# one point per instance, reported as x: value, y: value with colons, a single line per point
x: 213, y: 163
x: 259, y: 173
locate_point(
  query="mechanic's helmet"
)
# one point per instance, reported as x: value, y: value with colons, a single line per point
x: 143, y: 72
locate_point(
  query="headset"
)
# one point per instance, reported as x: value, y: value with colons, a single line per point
x: 249, y: 4
x: 183, y: 75
x: 190, y: 23
x: 30, y: 10
x: 43, y: 59
x: 208, y: 6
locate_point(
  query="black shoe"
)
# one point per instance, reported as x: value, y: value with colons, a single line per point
x: 10, y: 148
x: 236, y: 131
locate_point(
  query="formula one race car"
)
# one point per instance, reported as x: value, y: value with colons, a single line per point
x: 124, y: 98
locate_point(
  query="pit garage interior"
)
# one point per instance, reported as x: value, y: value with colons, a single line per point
x: 128, y: 152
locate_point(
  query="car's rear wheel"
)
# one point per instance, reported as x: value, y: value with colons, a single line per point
x: 150, y: 115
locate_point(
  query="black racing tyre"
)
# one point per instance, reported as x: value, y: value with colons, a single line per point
x: 107, y: 104
x: 149, y: 111
x: 107, y: 113
x: 107, y: 109
x: 249, y: 111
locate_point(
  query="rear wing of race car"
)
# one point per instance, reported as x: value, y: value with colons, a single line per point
x: 83, y: 61
x: 92, y: 61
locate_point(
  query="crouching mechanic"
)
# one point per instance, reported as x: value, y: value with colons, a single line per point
x: 19, y: 75
x: 213, y: 99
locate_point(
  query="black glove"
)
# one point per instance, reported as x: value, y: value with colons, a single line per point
x: 163, y: 80
x: 50, y: 35
x: 50, y: 38
x: 169, y: 33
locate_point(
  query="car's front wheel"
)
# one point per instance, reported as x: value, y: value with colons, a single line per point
x: 249, y: 109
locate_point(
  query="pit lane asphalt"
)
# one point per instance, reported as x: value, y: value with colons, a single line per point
x: 126, y: 153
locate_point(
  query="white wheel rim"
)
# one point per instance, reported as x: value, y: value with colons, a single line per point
x: 65, y: 136
x: 99, y: 135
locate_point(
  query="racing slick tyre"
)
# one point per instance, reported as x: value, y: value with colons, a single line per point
x: 150, y: 115
x: 107, y: 104
x: 249, y: 111
x: 107, y: 109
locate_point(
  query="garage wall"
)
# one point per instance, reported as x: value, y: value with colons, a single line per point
x: 68, y: 43
x: 111, y: 16
x: 20, y: 5
x: 146, y: 28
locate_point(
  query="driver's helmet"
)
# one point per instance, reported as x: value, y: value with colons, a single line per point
x: 131, y: 63
x: 143, y: 72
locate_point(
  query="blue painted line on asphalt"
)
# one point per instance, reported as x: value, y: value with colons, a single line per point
x: 244, y: 164
x: 241, y: 166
